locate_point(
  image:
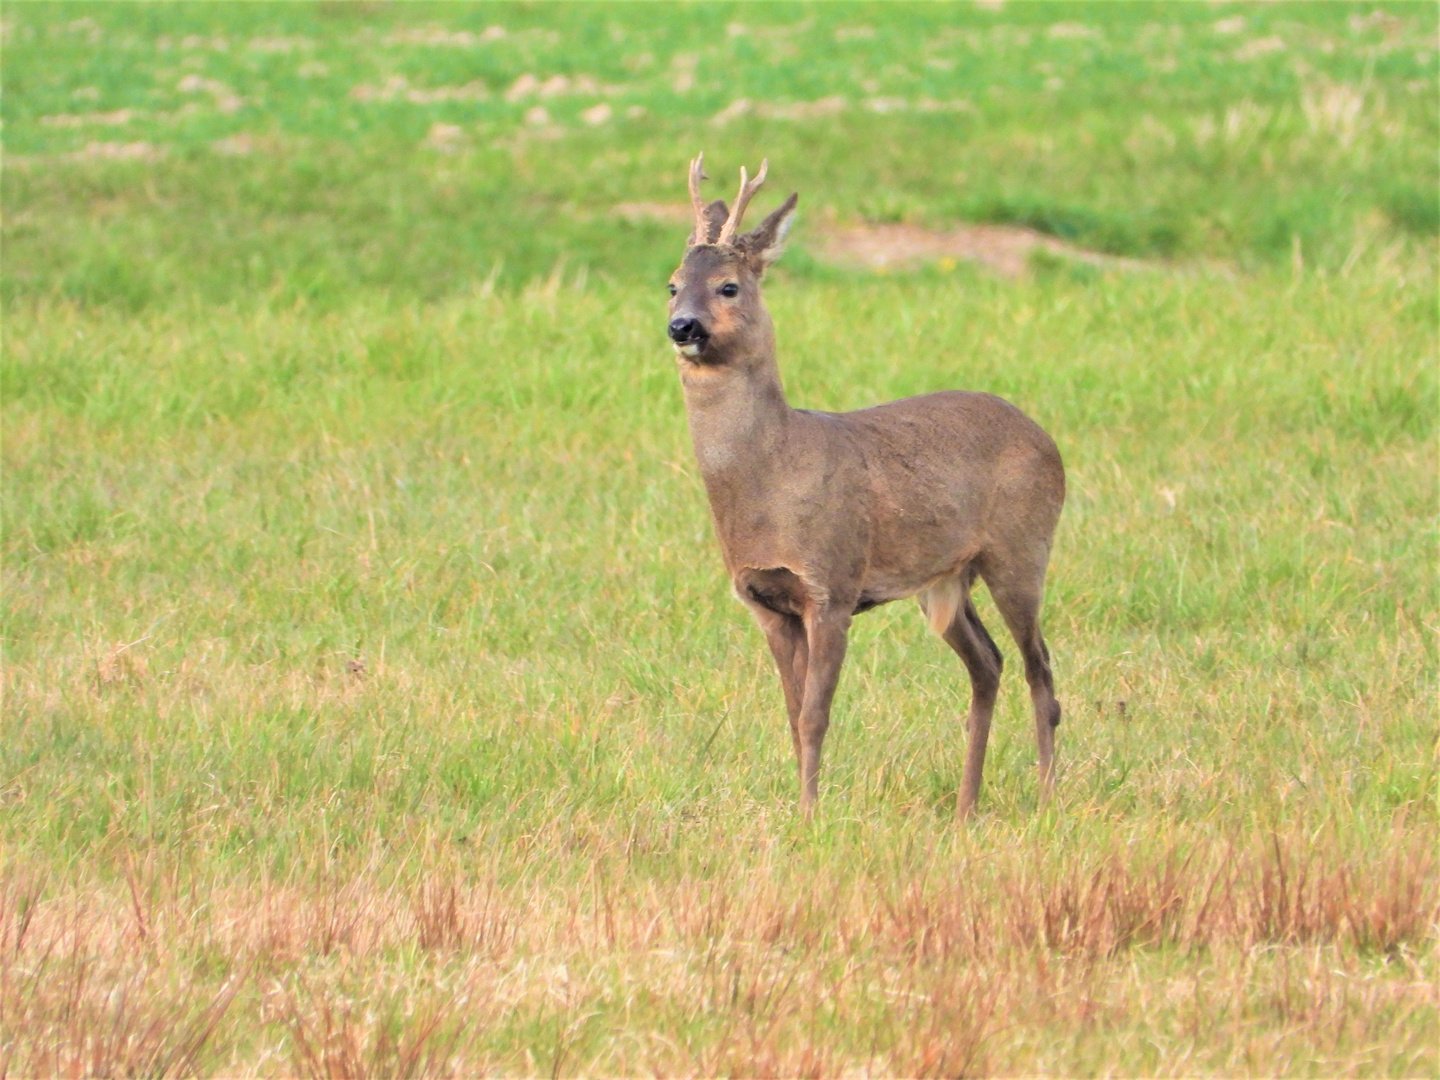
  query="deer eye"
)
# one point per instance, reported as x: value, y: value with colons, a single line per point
x: 672, y: 289
x: 730, y: 290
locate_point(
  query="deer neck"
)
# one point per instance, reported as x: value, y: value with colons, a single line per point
x: 738, y: 415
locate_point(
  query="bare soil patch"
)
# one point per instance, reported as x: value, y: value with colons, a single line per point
x: 1004, y: 249
x: 665, y: 213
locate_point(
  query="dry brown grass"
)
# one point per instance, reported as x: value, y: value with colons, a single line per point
x: 438, y: 967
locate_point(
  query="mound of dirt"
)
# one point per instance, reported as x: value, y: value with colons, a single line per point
x: 665, y: 213
x: 1004, y: 249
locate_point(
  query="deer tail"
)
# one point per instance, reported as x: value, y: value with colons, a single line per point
x: 940, y: 600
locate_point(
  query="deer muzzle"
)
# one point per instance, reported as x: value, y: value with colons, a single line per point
x: 688, y: 335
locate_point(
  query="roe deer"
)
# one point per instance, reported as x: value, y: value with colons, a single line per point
x: 822, y: 515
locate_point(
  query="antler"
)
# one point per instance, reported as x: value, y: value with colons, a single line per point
x: 747, y: 192
x: 697, y: 173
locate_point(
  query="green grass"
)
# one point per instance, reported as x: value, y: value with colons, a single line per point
x: 374, y: 699
x: 1132, y: 131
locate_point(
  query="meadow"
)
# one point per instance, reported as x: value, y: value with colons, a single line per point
x: 374, y: 700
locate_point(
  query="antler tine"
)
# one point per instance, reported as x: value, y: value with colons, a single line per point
x: 747, y: 192
x: 697, y: 173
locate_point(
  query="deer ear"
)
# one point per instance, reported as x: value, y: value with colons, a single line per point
x: 715, y: 215
x: 766, y: 241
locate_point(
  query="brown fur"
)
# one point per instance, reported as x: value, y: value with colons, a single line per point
x: 823, y: 515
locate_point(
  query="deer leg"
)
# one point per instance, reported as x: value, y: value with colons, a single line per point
x: 1019, y: 603
x: 786, y: 636
x: 967, y: 635
x: 825, y: 634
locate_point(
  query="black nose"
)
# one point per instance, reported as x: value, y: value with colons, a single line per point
x: 683, y: 330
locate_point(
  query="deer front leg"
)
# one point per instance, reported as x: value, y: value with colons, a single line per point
x: 785, y: 635
x: 825, y: 634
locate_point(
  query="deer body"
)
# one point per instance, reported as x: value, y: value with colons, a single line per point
x: 822, y: 515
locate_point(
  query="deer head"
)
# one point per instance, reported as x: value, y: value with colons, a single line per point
x: 716, y: 314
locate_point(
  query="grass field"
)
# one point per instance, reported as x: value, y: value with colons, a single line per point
x: 374, y: 699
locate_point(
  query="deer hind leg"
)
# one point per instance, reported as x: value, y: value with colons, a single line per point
x: 1018, y: 596
x: 785, y: 635
x: 966, y: 634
